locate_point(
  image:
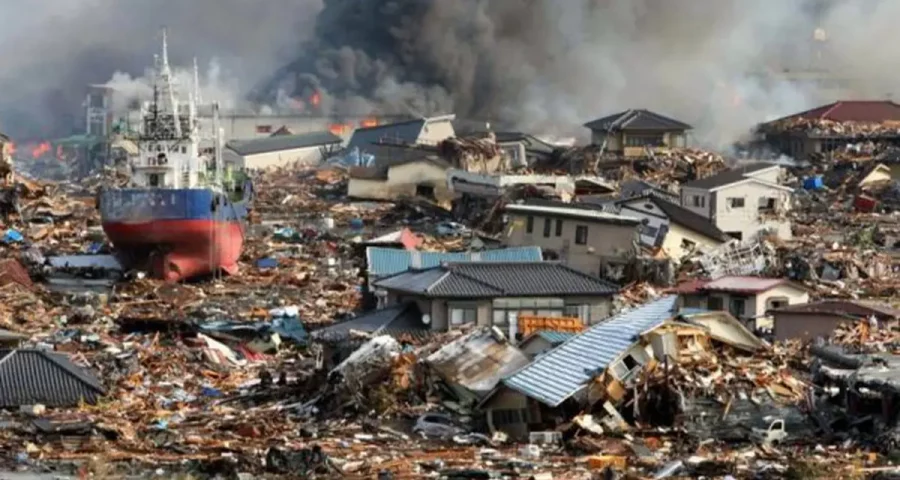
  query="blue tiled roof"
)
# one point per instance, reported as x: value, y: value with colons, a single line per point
x: 554, y: 338
x: 560, y: 373
x: 388, y: 261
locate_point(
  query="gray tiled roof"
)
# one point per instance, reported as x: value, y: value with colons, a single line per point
x: 283, y: 142
x: 492, y: 279
x: 727, y: 177
x: 395, y: 320
x: 560, y: 373
x: 636, y: 119
x: 29, y: 377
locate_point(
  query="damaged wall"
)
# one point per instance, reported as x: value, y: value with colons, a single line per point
x: 405, y: 181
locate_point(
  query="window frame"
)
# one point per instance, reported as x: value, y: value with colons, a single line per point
x: 548, y: 226
x: 736, y: 202
x: 465, y: 309
x: 581, y: 234
x: 529, y: 224
x: 559, y: 225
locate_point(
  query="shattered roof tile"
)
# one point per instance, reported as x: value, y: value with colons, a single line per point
x: 560, y: 373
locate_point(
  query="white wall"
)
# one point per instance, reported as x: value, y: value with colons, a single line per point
x: 672, y: 245
x: 643, y: 209
x: 279, y: 158
x: 746, y: 219
x: 687, y: 201
x: 436, y: 131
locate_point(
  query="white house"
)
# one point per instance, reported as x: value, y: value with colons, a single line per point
x: 280, y: 150
x: 676, y: 230
x: 427, y: 131
x: 743, y: 201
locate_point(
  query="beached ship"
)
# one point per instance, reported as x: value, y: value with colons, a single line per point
x: 180, y: 216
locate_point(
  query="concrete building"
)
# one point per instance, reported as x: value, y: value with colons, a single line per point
x: 742, y: 202
x: 811, y: 320
x: 747, y: 298
x: 281, y: 150
x: 424, y: 177
x: 497, y: 293
x: 677, y: 231
x: 801, y: 143
x: 632, y: 132
x: 582, y: 237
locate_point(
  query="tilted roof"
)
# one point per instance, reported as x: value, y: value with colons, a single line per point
x: 683, y: 217
x: 283, y: 142
x: 384, y: 261
x: 29, y: 377
x: 560, y: 373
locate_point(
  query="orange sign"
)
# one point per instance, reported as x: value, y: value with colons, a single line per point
x: 528, y: 324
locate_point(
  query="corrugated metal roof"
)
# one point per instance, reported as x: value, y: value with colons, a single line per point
x: 492, y: 279
x: 388, y: 261
x: 561, y: 372
x: 477, y: 361
x: 554, y: 337
x: 29, y: 377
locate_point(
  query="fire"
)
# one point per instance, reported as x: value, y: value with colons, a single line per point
x: 40, y: 149
x: 369, y: 122
x: 315, y: 99
x: 339, y: 128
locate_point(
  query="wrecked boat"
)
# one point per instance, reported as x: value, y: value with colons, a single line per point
x: 178, y: 218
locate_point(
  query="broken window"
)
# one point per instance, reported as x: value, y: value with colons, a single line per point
x: 558, y: 227
x: 777, y: 303
x: 766, y: 204
x: 687, y: 244
x: 529, y: 224
x: 735, y: 202
x: 153, y: 180
x: 581, y: 235
x: 735, y: 235
x: 426, y: 191
x: 649, y: 230
x: 547, y: 224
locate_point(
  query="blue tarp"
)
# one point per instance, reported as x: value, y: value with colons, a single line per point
x: 12, y: 236
x: 813, y: 183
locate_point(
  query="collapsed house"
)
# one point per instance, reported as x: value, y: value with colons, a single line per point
x: 594, y: 371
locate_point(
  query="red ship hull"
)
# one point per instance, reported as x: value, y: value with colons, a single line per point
x: 180, y: 249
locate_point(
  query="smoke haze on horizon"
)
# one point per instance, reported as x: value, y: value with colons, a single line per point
x: 542, y: 66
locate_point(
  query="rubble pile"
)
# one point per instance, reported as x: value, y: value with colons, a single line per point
x: 471, y: 153
x: 674, y: 166
x: 831, y: 128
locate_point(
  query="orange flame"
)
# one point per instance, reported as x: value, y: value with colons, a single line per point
x: 315, y: 99
x: 339, y: 128
x: 40, y: 149
x: 369, y: 122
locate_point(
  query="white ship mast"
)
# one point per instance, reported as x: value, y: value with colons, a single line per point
x: 169, y: 142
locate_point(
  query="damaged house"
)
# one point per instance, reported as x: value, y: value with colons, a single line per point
x: 808, y: 321
x: 745, y: 297
x: 584, y: 237
x: 634, y: 132
x: 599, y: 365
x: 744, y: 202
x: 32, y: 377
x: 281, y: 150
x: 499, y: 294
x: 675, y: 230
x: 831, y: 127
x: 424, y: 177
x: 424, y: 131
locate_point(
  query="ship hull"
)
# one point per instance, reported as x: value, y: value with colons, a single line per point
x: 177, y: 234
